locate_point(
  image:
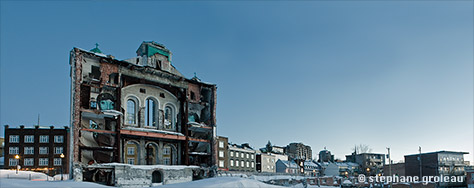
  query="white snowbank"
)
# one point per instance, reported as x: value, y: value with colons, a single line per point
x: 14, y: 183
x: 227, y: 182
x: 11, y: 174
x: 149, y: 167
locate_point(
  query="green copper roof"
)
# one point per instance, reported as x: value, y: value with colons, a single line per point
x: 96, y: 49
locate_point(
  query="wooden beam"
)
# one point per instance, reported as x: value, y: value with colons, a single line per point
x: 152, y: 134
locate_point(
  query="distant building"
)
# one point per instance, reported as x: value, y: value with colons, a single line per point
x: 446, y: 163
x: 242, y: 158
x: 265, y: 163
x: 222, y: 153
x: 38, y: 149
x: 325, y: 156
x: 299, y: 151
x: 289, y: 167
x: 398, y: 169
x: 370, y: 163
x: 2, y: 147
x: 470, y: 176
x: 311, y: 168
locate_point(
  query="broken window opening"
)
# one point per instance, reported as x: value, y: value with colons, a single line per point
x: 106, y: 101
x: 193, y: 97
x: 150, y: 113
x: 113, y: 78
x: 142, y: 90
x: 95, y: 72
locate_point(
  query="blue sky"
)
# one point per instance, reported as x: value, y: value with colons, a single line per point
x: 328, y: 74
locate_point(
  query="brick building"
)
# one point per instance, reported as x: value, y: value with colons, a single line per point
x: 38, y: 149
x: 242, y: 158
x: 140, y: 111
x: 370, y: 163
x: 222, y: 153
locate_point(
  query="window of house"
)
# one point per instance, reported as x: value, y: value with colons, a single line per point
x: 29, y: 150
x: 13, y: 150
x: 169, y: 114
x: 251, y: 156
x: 221, y: 163
x: 14, y: 138
x: 43, y: 161
x: 58, y: 150
x: 253, y: 164
x: 242, y: 163
x: 131, y: 161
x: 237, y: 163
x: 131, y: 112
x: 242, y: 155
x: 13, y: 162
x: 221, y: 153
x: 28, y: 162
x: 43, y: 150
x: 221, y: 144
x: 131, y: 151
x: 44, y: 139
x: 29, y: 138
x: 247, y: 156
x: 231, y: 153
x: 247, y: 164
x: 57, y: 161
x: 58, y: 139
x: 231, y: 162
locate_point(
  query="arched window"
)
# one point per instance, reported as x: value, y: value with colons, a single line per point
x: 150, y: 113
x: 169, y: 117
x: 131, y: 112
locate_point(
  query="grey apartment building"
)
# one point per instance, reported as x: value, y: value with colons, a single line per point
x: 242, y: 158
x: 446, y: 163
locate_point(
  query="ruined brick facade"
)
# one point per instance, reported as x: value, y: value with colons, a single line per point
x: 140, y: 111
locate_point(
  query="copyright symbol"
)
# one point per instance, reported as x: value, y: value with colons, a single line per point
x: 361, y: 178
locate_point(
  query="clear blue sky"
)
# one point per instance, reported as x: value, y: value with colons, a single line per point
x: 335, y: 74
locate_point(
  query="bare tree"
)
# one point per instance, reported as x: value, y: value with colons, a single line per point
x: 362, y: 148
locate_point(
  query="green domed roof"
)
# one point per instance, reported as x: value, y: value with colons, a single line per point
x: 96, y: 49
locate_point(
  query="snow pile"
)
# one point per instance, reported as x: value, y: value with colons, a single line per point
x: 227, y: 182
x: 276, y: 177
x: 13, y: 183
x: 149, y: 167
x: 11, y: 174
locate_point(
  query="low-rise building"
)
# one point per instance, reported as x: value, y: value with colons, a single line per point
x: 445, y: 163
x: 289, y: 167
x: 371, y: 164
x: 242, y: 158
x: 43, y: 149
x: 265, y: 163
x: 2, y: 147
x: 470, y: 176
x: 398, y: 169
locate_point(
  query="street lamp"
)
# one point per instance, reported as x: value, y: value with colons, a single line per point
x: 62, y: 165
x: 17, y: 157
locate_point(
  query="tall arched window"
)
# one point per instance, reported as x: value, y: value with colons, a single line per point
x: 150, y: 113
x: 169, y: 117
x: 131, y: 112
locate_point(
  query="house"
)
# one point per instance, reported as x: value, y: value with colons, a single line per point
x: 265, y: 162
x: 371, y: 164
x: 289, y: 167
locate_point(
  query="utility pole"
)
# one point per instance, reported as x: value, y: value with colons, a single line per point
x: 389, y: 165
x: 419, y: 158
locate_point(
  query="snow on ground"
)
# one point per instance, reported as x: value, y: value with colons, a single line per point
x: 227, y: 182
x: 11, y: 174
x: 14, y: 183
x: 275, y: 177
